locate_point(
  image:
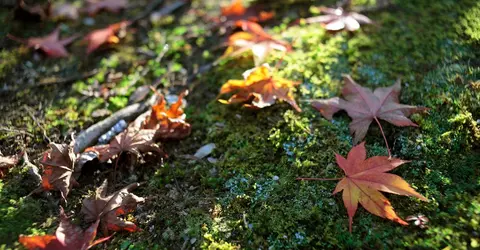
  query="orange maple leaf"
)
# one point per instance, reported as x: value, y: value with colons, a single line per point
x: 363, y: 180
x: 236, y: 11
x: 169, y: 123
x: 253, y: 38
x: 261, y: 87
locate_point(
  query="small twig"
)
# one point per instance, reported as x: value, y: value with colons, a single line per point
x: 164, y: 11
x: 47, y: 81
x: 17, y: 131
x: 384, y: 138
x: 29, y: 111
x: 317, y: 179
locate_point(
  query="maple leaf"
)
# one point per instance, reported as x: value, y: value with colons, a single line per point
x: 7, y: 162
x: 261, y: 87
x: 254, y: 38
x: 364, y: 106
x: 114, y: 6
x: 169, y: 123
x: 365, y: 178
x: 99, y: 37
x: 67, y: 236
x: 135, y: 142
x: 59, y: 167
x: 107, y: 208
x: 65, y: 11
x: 338, y: 19
x: 236, y: 12
x: 51, y: 45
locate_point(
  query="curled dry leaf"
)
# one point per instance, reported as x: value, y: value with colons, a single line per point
x: 364, y: 106
x: 59, y: 166
x: 261, y: 88
x: 68, y: 236
x: 51, y: 45
x: 254, y: 38
x: 7, y: 162
x: 363, y: 180
x: 106, y: 35
x: 236, y: 12
x: 114, y: 6
x: 107, y: 208
x: 338, y: 19
x: 168, y: 123
x: 135, y: 142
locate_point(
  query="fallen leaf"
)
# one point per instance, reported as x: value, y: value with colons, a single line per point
x: 35, y: 13
x: 254, y: 38
x: 51, y: 45
x: 364, y: 106
x: 169, y: 123
x: 7, y: 162
x: 135, y: 142
x: 338, y: 19
x: 67, y: 236
x: 261, y: 87
x: 65, y: 11
x: 419, y: 220
x: 59, y: 167
x: 236, y: 12
x: 107, y: 208
x: 363, y: 180
x: 204, y: 151
x: 114, y: 6
x: 99, y: 37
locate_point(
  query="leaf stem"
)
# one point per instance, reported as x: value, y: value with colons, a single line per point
x: 317, y: 179
x: 384, y: 138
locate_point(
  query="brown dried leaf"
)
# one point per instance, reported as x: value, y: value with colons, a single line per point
x: 107, y: 208
x: 135, y: 142
x: 59, y: 167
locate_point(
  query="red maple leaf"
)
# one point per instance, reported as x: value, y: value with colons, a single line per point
x: 51, y: 45
x: 99, y: 37
x: 365, y: 178
x: 365, y: 106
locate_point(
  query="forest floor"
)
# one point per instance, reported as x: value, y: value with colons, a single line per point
x: 246, y: 195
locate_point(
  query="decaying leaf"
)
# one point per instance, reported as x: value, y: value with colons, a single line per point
x: 99, y: 37
x: 7, y: 162
x: 169, y: 123
x: 65, y: 11
x: 261, y: 88
x: 236, y: 12
x: 58, y: 168
x: 363, y: 180
x: 254, y: 38
x: 130, y: 140
x: 115, y: 6
x: 364, y: 106
x: 68, y: 236
x: 107, y: 208
x: 338, y: 19
x: 51, y: 45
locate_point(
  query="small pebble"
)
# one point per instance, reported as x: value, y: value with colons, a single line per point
x: 276, y: 178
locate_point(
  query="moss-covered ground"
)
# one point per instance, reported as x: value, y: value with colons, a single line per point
x: 249, y: 198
